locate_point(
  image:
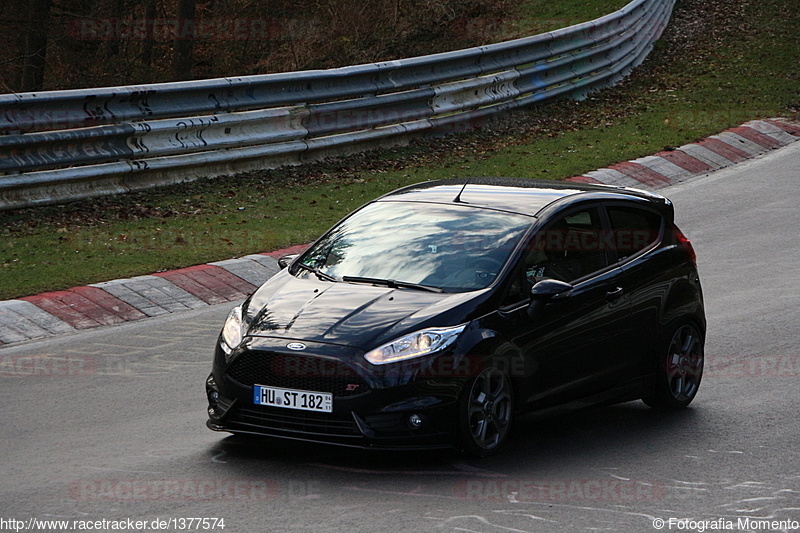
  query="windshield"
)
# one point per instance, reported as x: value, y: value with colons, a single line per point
x: 451, y: 247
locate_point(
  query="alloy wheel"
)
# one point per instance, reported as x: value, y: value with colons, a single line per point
x: 684, y: 363
x: 489, y: 409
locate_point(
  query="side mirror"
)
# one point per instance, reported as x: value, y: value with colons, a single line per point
x: 544, y: 291
x: 549, y: 288
x: 286, y: 260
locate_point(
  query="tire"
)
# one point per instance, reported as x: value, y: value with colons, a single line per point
x: 680, y: 369
x: 486, y: 412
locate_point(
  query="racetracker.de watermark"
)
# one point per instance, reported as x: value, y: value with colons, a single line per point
x: 560, y: 490
x: 185, y: 490
x: 26, y: 366
x: 217, y: 29
x: 753, y: 366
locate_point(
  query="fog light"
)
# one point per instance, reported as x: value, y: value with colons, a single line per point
x: 415, y: 421
x: 212, y: 391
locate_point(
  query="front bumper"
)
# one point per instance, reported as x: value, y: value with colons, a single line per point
x: 372, y: 406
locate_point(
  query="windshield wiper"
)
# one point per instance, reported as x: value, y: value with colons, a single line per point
x: 320, y: 274
x: 391, y: 283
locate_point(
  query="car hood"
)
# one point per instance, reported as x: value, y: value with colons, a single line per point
x: 351, y: 314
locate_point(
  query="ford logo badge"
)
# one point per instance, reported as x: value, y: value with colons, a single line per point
x: 296, y: 346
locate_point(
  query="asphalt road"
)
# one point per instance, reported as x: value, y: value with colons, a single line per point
x: 109, y: 424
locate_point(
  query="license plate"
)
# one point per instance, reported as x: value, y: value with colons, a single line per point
x: 302, y: 400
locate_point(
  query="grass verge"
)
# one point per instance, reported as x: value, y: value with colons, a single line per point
x: 720, y: 63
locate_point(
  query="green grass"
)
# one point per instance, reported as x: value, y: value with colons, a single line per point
x: 720, y: 63
x: 531, y: 17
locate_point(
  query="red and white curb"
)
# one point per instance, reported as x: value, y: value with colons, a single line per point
x: 124, y: 300
x: 718, y: 151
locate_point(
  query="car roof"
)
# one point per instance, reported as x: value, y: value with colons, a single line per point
x: 516, y: 195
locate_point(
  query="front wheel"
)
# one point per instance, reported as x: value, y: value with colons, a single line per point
x: 679, y: 371
x: 486, y: 413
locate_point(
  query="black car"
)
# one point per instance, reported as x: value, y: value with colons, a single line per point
x: 434, y: 315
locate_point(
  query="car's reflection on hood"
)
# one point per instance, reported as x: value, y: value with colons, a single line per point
x: 352, y: 314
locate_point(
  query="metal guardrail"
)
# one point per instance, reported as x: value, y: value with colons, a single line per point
x: 63, y: 145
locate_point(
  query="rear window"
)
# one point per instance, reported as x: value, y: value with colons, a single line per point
x: 633, y: 229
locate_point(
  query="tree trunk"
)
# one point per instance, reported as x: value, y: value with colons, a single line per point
x: 34, y: 46
x: 184, y: 40
x: 149, y: 40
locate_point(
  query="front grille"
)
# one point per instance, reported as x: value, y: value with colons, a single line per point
x: 303, y: 372
x: 298, y: 421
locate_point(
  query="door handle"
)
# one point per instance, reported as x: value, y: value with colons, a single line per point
x: 614, y: 294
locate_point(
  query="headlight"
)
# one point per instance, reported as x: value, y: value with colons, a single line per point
x: 416, y: 344
x: 232, y: 331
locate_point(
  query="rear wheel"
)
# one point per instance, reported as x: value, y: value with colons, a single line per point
x: 487, y: 410
x: 680, y: 369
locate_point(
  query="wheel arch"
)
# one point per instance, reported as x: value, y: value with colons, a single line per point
x: 502, y: 354
x: 684, y: 300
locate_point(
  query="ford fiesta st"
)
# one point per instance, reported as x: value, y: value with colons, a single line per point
x: 434, y: 315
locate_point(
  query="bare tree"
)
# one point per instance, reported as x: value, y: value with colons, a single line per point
x: 34, y: 45
x: 184, y: 40
x: 149, y: 40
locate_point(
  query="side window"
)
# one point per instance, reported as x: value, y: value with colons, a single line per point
x: 633, y: 229
x: 520, y: 289
x: 569, y: 248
